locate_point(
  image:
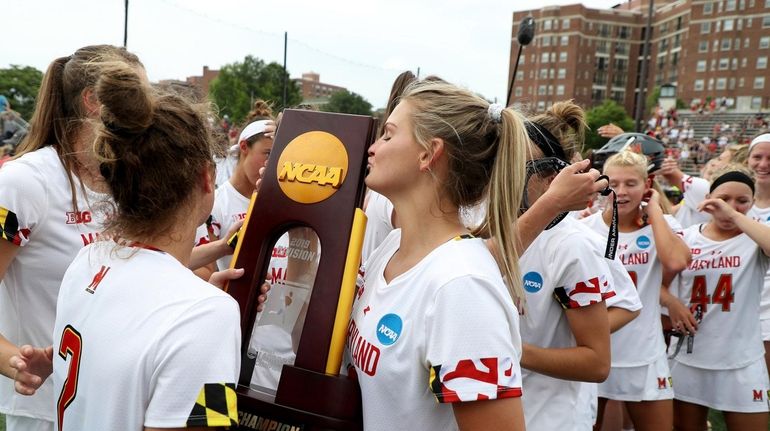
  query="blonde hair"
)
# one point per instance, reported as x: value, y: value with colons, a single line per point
x: 485, y: 157
x: 739, y: 153
x: 638, y: 162
x: 729, y: 167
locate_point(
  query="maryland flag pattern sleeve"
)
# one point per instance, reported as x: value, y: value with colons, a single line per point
x: 486, y: 364
x: 216, y: 406
x: 23, y: 201
x: 9, y: 228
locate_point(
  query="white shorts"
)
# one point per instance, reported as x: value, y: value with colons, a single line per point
x: 765, y: 328
x: 743, y: 390
x: 588, y: 404
x: 23, y: 423
x: 645, y: 383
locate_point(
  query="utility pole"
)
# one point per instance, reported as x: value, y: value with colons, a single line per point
x: 125, y: 27
x: 285, y: 73
x: 643, y: 81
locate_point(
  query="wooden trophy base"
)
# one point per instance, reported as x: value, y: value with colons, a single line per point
x: 319, y: 402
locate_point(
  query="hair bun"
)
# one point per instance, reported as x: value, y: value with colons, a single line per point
x: 126, y: 98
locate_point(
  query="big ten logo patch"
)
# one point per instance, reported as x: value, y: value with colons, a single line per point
x: 312, y: 167
x: 389, y: 329
x: 643, y: 242
x: 78, y: 217
x: 533, y: 282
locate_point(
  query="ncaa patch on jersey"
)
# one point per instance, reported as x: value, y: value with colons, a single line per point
x: 389, y: 329
x: 643, y: 241
x: 533, y: 282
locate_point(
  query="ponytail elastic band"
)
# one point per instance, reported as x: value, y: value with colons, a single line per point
x: 495, y: 112
x: 732, y: 176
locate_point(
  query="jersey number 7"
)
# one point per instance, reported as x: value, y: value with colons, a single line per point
x: 71, y: 345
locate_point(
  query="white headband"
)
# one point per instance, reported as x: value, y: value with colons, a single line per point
x: 761, y: 138
x: 252, y: 129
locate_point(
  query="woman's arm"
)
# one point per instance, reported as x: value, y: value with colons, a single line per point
x: 588, y: 361
x: 504, y: 414
x: 620, y: 317
x: 8, y: 253
x: 758, y: 232
x: 673, y: 253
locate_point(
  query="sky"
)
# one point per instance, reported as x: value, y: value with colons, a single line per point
x: 360, y: 45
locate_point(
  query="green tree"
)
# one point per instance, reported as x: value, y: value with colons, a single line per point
x: 238, y: 85
x: 348, y: 102
x: 20, y: 84
x: 607, y: 112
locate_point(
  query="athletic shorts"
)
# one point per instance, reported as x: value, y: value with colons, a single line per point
x: 644, y: 383
x: 23, y: 423
x: 765, y: 328
x: 742, y: 390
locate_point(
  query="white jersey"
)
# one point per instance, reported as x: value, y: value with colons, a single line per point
x: 725, y: 278
x: 230, y: 207
x: 379, y: 223
x: 640, y: 342
x: 556, y: 278
x: 695, y: 191
x: 36, y: 214
x: 763, y: 215
x: 403, y: 336
x: 140, y: 341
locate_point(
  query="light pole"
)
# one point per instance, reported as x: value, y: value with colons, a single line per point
x: 640, y: 96
x: 125, y: 26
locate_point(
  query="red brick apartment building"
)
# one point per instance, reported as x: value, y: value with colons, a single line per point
x: 705, y: 48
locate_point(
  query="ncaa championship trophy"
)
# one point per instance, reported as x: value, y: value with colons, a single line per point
x: 303, y: 234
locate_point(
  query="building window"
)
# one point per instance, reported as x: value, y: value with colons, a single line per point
x: 740, y: 23
x: 560, y: 90
x: 543, y: 74
x: 743, y: 63
x: 703, y: 46
x: 711, y: 84
x: 562, y: 74
x: 623, y: 32
x: 734, y: 64
x: 729, y: 5
x: 545, y: 41
x: 728, y: 25
x: 724, y: 63
x: 551, y: 73
x: 759, y: 82
x: 544, y: 57
x: 731, y: 84
x: 761, y: 62
x: 721, y: 83
x: 766, y: 21
x: 517, y: 92
x: 565, y: 23
x: 726, y: 44
x: 541, y: 106
x: 764, y: 42
x: 705, y: 28
x: 698, y: 85
x: 701, y: 66
x: 541, y: 90
x: 550, y: 90
x: 740, y: 82
x: 767, y: 4
x: 519, y: 75
x: 708, y: 7
x: 746, y: 42
x: 562, y: 57
x: 742, y: 4
x: 547, y: 24
x: 564, y: 40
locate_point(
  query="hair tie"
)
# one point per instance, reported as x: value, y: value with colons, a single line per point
x: 732, y: 176
x: 495, y: 112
